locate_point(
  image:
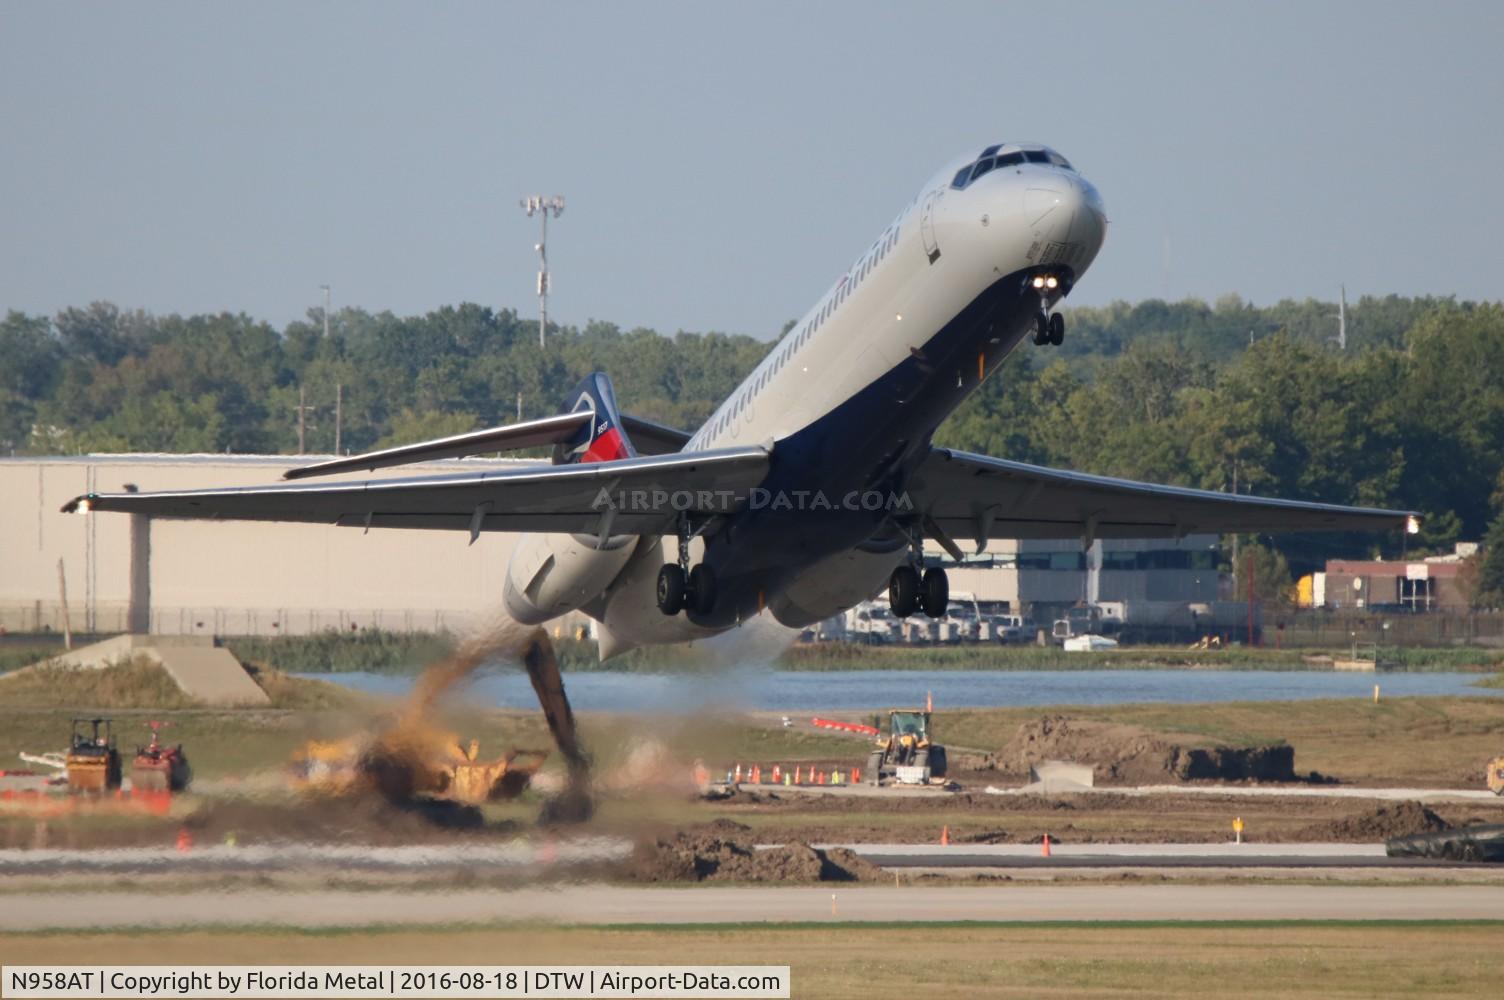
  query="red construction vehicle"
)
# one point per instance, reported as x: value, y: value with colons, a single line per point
x: 159, y: 768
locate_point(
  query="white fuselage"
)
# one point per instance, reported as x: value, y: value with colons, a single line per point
x: 947, y: 248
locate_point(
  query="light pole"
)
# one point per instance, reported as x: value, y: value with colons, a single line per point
x: 540, y: 205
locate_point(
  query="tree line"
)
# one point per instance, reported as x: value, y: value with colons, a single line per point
x: 1223, y: 395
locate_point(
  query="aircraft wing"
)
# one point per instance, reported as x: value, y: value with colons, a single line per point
x: 976, y: 497
x: 628, y: 496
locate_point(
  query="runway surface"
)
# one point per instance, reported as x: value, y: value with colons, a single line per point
x: 594, y: 904
x: 1272, y: 790
x: 542, y: 855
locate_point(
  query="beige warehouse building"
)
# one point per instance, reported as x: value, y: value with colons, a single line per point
x: 229, y: 577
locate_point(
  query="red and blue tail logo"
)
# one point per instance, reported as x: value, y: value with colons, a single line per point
x: 603, y: 439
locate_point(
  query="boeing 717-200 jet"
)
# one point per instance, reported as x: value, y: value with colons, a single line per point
x: 815, y: 484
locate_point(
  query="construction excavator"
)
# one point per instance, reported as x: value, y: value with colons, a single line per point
x: 402, y: 767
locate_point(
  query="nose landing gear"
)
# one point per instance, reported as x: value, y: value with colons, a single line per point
x: 1049, y: 328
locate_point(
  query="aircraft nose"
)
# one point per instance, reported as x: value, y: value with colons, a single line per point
x: 1067, y: 209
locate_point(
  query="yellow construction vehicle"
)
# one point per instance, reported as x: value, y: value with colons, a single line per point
x: 1496, y: 775
x: 93, y: 763
x: 401, y: 767
x: 906, y: 746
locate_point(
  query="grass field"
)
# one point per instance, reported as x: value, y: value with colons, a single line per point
x: 1288, y: 960
x: 1398, y: 741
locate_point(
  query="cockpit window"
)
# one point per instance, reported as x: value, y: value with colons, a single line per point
x: 990, y: 160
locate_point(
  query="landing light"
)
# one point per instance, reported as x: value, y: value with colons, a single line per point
x: 85, y: 506
x: 1051, y: 281
x: 1412, y: 525
x: 1038, y: 282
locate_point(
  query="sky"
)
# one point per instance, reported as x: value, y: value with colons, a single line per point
x: 723, y: 163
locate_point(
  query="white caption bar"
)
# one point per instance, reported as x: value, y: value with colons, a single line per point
x: 156, y: 982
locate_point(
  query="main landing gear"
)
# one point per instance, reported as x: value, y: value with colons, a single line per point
x: 908, y: 591
x: 680, y: 587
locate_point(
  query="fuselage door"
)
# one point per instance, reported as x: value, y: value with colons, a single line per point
x: 927, y: 226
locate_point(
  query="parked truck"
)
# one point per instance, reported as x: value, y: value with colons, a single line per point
x: 1158, y: 621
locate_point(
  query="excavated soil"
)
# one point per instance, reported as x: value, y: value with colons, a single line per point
x: 723, y: 851
x: 1130, y: 755
x: 1398, y: 819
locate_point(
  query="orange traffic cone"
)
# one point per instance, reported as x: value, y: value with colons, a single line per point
x: 945, y: 836
x: 738, y: 779
x: 1045, y: 847
x: 185, y: 840
x: 798, y: 775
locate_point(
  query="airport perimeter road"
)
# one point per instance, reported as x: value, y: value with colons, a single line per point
x: 623, y: 905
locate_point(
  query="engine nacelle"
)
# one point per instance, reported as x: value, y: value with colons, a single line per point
x: 550, y: 575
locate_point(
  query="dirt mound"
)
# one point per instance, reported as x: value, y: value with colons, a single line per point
x: 724, y: 851
x: 1131, y: 755
x: 1396, y: 819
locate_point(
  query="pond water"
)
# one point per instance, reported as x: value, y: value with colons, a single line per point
x: 801, y: 691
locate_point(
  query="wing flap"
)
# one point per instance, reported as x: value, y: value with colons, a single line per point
x: 973, y: 496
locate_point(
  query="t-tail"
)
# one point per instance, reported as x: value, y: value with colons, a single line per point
x: 604, y: 439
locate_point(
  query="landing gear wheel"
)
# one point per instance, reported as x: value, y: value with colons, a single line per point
x: 1041, y: 329
x: 934, y: 593
x: 1057, y: 329
x: 670, y: 589
x: 701, y: 595
x: 903, y: 592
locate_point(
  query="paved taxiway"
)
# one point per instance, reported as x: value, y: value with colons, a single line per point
x: 594, y: 904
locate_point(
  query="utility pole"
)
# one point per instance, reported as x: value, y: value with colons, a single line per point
x: 302, y: 409
x: 1342, y: 318
x: 540, y: 205
x: 339, y: 414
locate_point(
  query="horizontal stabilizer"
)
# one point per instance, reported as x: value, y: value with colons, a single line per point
x: 512, y: 437
x: 652, y: 438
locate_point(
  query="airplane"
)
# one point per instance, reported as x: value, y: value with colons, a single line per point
x: 815, y: 484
